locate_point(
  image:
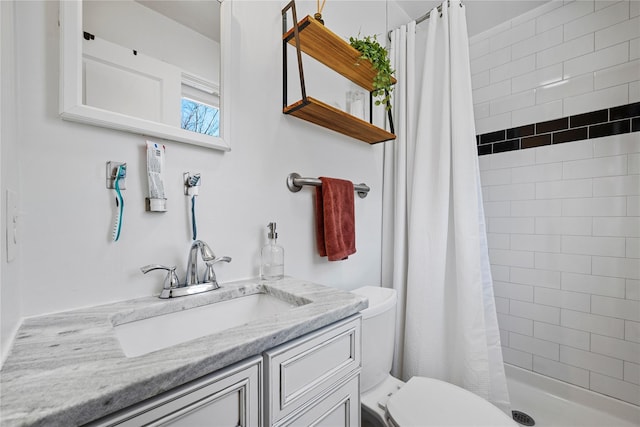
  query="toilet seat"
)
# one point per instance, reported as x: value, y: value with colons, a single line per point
x: 431, y: 402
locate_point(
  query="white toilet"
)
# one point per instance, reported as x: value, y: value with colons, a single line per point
x: 387, y: 401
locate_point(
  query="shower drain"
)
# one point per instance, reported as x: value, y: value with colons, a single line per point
x: 522, y: 418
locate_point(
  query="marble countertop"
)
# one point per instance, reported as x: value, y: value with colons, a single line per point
x: 68, y: 368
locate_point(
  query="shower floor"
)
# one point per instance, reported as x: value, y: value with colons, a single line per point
x: 554, y: 403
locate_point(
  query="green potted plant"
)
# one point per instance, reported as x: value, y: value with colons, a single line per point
x: 370, y: 49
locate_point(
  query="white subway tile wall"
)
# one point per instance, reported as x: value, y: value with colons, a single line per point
x: 634, y: 92
x: 561, y: 371
x: 596, y: 100
x: 564, y: 225
x: 561, y: 59
x: 564, y: 220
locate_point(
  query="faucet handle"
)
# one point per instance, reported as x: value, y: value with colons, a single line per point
x: 209, y: 274
x: 171, y: 281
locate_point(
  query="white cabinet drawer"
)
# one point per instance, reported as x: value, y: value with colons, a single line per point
x: 306, y: 368
x: 230, y: 397
x: 339, y: 408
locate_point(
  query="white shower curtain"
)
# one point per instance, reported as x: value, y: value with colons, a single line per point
x: 434, y: 238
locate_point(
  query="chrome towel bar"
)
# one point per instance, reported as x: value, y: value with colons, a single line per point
x: 295, y: 183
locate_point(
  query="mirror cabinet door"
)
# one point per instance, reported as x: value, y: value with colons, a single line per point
x: 104, y: 82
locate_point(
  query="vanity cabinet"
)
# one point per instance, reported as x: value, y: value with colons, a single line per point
x: 340, y: 407
x: 230, y: 397
x: 311, y: 380
x: 314, y: 372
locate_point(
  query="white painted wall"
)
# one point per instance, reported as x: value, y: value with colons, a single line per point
x: 10, y: 291
x: 67, y: 258
x: 558, y: 60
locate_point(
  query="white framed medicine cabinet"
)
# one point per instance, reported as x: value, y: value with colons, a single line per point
x: 73, y: 103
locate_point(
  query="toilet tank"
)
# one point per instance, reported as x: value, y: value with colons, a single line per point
x: 378, y: 335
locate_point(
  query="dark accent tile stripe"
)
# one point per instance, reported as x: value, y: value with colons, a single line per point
x: 492, y: 137
x: 513, y: 144
x: 485, y: 149
x: 611, y: 128
x: 591, y: 118
x: 570, y: 135
x: 625, y: 111
x: 521, y: 131
x: 594, y: 124
x: 536, y: 141
x: 552, y: 125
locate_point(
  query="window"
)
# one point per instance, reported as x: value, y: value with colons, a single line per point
x: 199, y: 117
x: 199, y: 108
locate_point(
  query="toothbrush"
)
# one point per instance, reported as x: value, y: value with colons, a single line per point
x: 194, y: 231
x: 117, y: 225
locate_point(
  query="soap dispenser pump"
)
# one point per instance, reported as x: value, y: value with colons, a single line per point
x: 272, y: 257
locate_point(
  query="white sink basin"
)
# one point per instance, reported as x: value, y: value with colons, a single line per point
x: 155, y: 333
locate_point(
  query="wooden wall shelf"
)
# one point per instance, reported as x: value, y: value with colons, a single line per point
x: 325, y: 46
x: 331, y: 50
x: 322, y: 114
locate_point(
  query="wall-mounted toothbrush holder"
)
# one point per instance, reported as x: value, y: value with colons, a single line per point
x: 191, y: 183
x: 112, y: 175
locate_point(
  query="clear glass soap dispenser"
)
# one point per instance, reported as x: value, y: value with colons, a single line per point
x: 272, y: 257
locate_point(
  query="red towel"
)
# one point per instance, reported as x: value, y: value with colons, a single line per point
x: 335, y: 220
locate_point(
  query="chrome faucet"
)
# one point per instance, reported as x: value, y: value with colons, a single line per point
x: 192, y: 285
x: 210, y: 275
x: 192, y: 261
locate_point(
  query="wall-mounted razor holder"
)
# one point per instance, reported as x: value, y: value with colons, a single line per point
x: 191, y: 182
x: 112, y: 171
